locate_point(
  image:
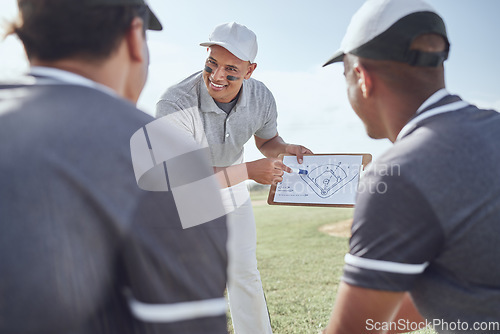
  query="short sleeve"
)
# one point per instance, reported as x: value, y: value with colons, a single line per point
x: 395, y: 235
x: 269, y: 128
x: 177, y: 116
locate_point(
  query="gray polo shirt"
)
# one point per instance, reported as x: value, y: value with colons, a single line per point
x: 190, y: 107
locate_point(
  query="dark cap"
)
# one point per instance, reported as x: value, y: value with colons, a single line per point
x: 153, y: 24
x: 385, y: 30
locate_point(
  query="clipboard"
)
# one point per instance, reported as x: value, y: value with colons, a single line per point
x: 326, y: 180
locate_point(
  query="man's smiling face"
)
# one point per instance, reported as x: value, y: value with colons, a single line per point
x: 224, y: 74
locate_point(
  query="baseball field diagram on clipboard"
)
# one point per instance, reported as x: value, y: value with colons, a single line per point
x: 321, y: 180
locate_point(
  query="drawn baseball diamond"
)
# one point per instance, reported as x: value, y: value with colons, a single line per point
x: 326, y: 180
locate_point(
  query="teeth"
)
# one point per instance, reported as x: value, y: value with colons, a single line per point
x: 218, y: 86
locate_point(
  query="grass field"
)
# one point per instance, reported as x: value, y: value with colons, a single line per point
x: 300, y: 266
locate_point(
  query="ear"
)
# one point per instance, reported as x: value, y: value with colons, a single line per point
x: 365, y: 82
x: 135, y: 40
x: 250, y: 70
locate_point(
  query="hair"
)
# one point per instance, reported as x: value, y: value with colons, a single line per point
x: 407, y: 79
x: 57, y: 29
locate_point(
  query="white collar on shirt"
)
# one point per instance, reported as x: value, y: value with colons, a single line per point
x: 69, y: 78
x: 434, y: 98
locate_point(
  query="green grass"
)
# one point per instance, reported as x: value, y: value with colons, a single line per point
x: 300, y: 266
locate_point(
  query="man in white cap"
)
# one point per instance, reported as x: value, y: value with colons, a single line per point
x: 222, y: 107
x: 424, y: 245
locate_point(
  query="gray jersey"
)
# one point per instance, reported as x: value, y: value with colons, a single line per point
x: 82, y: 248
x: 427, y: 219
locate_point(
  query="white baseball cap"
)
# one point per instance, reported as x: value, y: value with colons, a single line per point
x: 385, y: 29
x: 236, y: 38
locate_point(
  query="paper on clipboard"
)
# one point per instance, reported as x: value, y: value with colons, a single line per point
x: 323, y: 180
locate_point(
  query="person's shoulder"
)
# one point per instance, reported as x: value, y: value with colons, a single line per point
x: 467, y: 130
x: 256, y: 85
x: 110, y: 101
x: 255, y: 89
x: 17, y: 82
x: 186, y: 89
x: 106, y: 107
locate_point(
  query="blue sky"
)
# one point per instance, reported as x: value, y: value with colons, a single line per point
x: 295, y: 38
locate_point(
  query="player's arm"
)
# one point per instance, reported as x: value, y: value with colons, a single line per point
x: 360, y: 310
x: 269, y: 170
x: 264, y: 171
x: 275, y: 146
